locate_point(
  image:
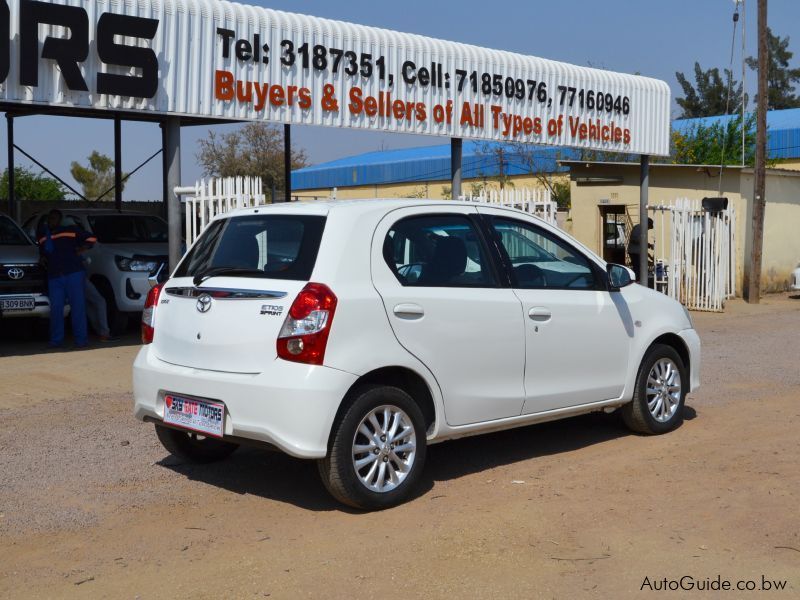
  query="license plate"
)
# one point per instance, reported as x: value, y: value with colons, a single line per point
x: 202, y: 416
x: 17, y: 304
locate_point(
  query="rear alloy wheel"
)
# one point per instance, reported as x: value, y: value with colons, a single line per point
x: 194, y: 447
x: 377, y: 450
x: 658, y: 400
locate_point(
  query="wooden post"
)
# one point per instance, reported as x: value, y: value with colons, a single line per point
x: 752, y: 289
x: 644, y: 189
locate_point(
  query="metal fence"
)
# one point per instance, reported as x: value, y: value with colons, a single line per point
x: 537, y: 202
x: 695, y: 253
x: 218, y: 195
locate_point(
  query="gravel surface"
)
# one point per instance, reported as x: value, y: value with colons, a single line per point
x: 92, y: 506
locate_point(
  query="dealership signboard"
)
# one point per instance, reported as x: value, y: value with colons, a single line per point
x: 220, y: 60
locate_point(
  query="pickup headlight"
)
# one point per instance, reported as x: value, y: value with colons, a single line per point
x: 135, y: 263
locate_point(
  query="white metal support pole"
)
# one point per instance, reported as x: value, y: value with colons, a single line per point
x: 644, y: 183
x: 172, y: 153
x: 455, y: 167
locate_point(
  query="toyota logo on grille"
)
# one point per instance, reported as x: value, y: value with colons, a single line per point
x: 16, y: 273
x: 204, y: 303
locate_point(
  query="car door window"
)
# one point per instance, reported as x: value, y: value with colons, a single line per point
x: 541, y: 260
x: 438, y: 251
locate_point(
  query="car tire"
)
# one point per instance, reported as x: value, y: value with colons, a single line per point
x: 661, y: 386
x: 394, y: 420
x: 194, y: 447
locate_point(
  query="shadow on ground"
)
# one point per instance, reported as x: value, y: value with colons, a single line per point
x: 276, y: 476
x: 27, y: 337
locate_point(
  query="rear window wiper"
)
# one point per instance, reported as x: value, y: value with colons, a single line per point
x: 229, y: 271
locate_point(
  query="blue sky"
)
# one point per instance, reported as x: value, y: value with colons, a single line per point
x: 655, y: 38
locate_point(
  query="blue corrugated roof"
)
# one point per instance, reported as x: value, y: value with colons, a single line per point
x: 426, y: 163
x: 783, y: 130
x: 480, y: 159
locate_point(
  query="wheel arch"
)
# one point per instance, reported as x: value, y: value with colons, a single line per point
x: 675, y: 342
x: 403, y: 378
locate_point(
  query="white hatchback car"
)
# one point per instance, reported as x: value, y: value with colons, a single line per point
x: 358, y: 332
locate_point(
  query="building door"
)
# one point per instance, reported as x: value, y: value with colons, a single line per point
x: 614, y: 238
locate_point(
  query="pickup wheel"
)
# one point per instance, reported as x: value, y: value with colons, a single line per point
x: 377, y: 449
x: 658, y: 399
x: 194, y: 447
x: 117, y: 320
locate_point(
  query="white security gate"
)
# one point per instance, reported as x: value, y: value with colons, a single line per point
x: 218, y: 195
x: 537, y: 201
x: 695, y: 253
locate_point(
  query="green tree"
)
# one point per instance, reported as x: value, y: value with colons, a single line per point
x: 780, y: 78
x: 32, y: 186
x: 529, y: 156
x: 703, y: 144
x: 256, y: 149
x: 97, y: 179
x: 709, y: 96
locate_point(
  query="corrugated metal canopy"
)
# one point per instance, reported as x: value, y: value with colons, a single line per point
x: 218, y: 60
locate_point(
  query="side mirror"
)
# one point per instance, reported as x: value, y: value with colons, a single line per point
x: 619, y: 276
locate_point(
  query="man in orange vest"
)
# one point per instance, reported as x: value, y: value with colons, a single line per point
x: 60, y: 247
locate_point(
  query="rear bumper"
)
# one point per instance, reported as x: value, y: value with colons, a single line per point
x: 290, y: 406
x: 692, y: 341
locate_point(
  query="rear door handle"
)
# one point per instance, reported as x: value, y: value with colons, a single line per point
x: 539, y: 314
x: 409, y: 311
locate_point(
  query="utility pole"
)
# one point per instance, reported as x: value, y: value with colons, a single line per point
x: 752, y: 288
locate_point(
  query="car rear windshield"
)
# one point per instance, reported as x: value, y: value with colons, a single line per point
x: 11, y: 235
x: 121, y: 229
x: 280, y: 246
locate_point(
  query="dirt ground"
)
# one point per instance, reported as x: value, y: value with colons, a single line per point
x: 92, y: 507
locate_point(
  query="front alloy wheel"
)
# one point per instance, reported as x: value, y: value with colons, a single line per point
x: 657, y: 405
x: 377, y: 449
x: 663, y: 390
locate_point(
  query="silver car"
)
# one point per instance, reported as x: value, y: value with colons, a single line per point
x: 22, y: 279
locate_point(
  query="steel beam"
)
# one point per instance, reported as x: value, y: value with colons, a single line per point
x: 11, y: 187
x: 455, y: 167
x: 117, y: 162
x: 287, y: 162
x: 172, y: 173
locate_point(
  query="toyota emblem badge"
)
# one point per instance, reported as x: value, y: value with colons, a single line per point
x: 204, y: 303
x: 16, y: 273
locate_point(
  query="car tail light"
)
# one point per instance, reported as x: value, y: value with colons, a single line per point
x: 149, y: 313
x: 304, y: 334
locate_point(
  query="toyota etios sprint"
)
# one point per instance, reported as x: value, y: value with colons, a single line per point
x: 356, y: 333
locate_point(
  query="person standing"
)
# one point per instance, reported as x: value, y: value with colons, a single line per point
x: 96, y: 311
x: 633, y: 245
x: 60, y: 248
